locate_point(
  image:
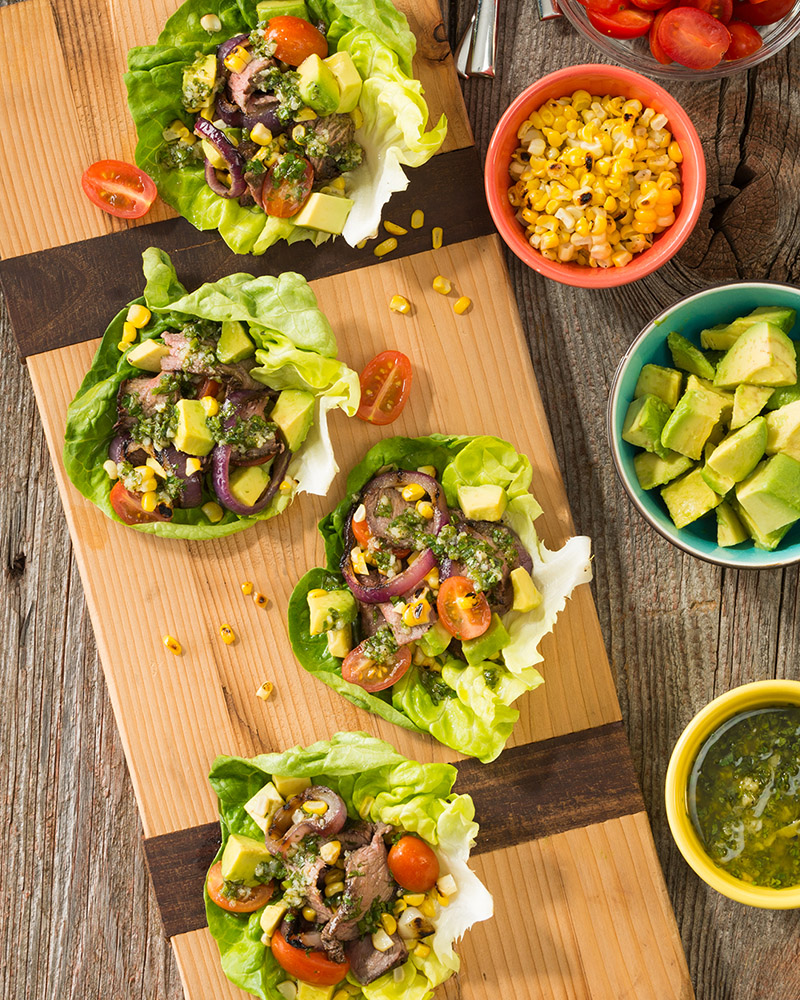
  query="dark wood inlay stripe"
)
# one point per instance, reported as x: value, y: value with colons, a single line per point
x: 69, y: 294
x: 530, y: 792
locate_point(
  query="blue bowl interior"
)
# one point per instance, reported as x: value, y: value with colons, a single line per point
x: 721, y: 304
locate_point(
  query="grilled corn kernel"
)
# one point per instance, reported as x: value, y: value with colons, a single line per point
x: 417, y: 612
x: 400, y: 304
x: 213, y: 511
x: 462, y: 305
x: 315, y: 807
x: 447, y: 885
x: 237, y: 59
x: 422, y: 950
x: 210, y: 405
x: 261, y: 134
x: 265, y: 690
x: 389, y: 923
x: 305, y: 115
x: 334, y: 889
x: 432, y: 578
x: 193, y: 465
x: 110, y: 469
x: 309, y: 914
x: 129, y: 333
x: 149, y: 502
x: 172, y: 644
x: 358, y: 560
x: 399, y: 906
x: 385, y: 247
x: 413, y: 898
x: 442, y: 285
x: 442, y: 900
x: 428, y: 470
x: 427, y: 908
x: 394, y: 229
x: 138, y: 314
x: 357, y: 117
x: 330, y: 852
x: 227, y: 634
x: 418, y: 218
x: 342, y: 994
x: 425, y: 509
x: 155, y: 466
x: 247, y: 588
x: 437, y: 234
x: 210, y: 23
x: 287, y: 485
x: 412, y: 492
x: 123, y: 346
x: 260, y: 600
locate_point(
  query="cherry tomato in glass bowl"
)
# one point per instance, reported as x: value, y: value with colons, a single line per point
x: 463, y: 612
x: 693, y: 38
x: 295, y: 39
x: 246, y: 901
x: 307, y: 966
x: 284, y: 194
x: 655, y: 46
x: 604, y: 6
x: 119, y: 188
x: 654, y: 4
x: 764, y: 13
x: 413, y: 864
x: 128, y: 507
x: 745, y: 40
x: 385, y: 385
x: 630, y: 22
x: 720, y: 9
x: 359, y: 668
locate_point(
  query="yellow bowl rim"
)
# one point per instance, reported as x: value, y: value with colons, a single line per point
x: 757, y: 694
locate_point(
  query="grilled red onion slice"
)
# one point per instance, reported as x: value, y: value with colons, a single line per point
x: 230, y: 155
x: 227, y: 111
x: 378, y: 593
x: 220, y: 472
x: 284, y: 832
x: 397, y: 480
x: 174, y: 461
x: 117, y: 449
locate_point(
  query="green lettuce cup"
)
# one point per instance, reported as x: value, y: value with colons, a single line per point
x: 217, y: 406
x: 386, y: 797
x: 461, y: 693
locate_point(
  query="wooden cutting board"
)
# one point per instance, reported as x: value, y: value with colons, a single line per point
x: 565, y: 848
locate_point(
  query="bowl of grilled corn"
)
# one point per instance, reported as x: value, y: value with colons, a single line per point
x: 595, y: 176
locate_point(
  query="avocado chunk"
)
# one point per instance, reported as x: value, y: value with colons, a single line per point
x: 271, y: 917
x: 526, y: 593
x: 288, y: 786
x: 317, y: 85
x: 487, y: 645
x: 783, y: 396
x: 740, y: 452
x: 435, y: 640
x: 748, y: 402
x: 192, y: 435
x: 688, y: 357
x: 147, y: 355
x: 294, y: 414
x: 644, y: 423
x: 326, y: 212
x: 693, y: 383
x: 654, y: 470
x: 662, y: 382
x: 347, y: 76
x: 329, y: 609
x: 718, y: 483
x: 763, y: 355
x: 310, y: 991
x: 234, y: 343
x: 691, y: 423
x: 240, y: 857
x: 483, y: 503
x: 730, y: 530
x: 689, y: 498
x: 783, y: 430
x: 340, y: 641
x: 770, y: 496
x: 724, y: 336
x: 717, y: 338
x: 199, y: 79
x: 762, y: 540
x: 281, y: 8
x: 248, y: 482
x: 263, y: 804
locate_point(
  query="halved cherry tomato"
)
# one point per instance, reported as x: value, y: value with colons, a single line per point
x: 760, y: 14
x: 720, y: 9
x: 286, y: 196
x: 257, y: 896
x: 605, y: 6
x: 413, y: 864
x: 209, y: 387
x: 308, y: 966
x: 693, y: 38
x: 295, y: 39
x: 385, y: 385
x: 653, y: 4
x: 128, y: 507
x: 119, y: 188
x: 630, y: 22
x: 745, y: 40
x: 362, y: 532
x: 655, y: 47
x: 464, y: 613
x: 358, y: 668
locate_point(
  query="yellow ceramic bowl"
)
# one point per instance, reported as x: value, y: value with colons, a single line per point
x: 760, y: 694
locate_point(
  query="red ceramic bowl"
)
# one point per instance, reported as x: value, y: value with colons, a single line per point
x: 600, y: 80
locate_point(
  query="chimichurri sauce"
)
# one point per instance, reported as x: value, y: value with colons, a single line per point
x: 744, y: 796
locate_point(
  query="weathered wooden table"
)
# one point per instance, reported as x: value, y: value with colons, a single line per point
x: 78, y: 919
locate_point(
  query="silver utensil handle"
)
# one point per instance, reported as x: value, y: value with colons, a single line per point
x: 484, y: 39
x: 548, y: 9
x: 462, y: 53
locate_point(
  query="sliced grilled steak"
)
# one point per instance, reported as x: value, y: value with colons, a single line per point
x: 368, y: 964
x: 144, y: 393
x: 242, y: 85
x: 501, y: 596
x: 358, y: 835
x: 370, y: 620
x: 198, y: 357
x: 330, y: 141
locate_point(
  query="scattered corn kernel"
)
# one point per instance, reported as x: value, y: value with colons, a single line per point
x: 428, y: 470
x: 111, y: 469
x: 442, y: 900
x: 330, y: 852
x: 432, y: 578
x: 427, y: 908
x: 210, y: 405
x: 138, y: 316
x: 287, y: 485
x: 210, y: 23
x: 237, y: 59
x: 213, y: 511
x: 309, y: 914
x: 247, y: 588
x: 261, y: 134
x: 334, y: 889
x: 425, y: 509
x: 265, y: 690
x: 394, y: 229
x: 149, y: 502
x: 361, y: 244
x: 416, y: 612
x: 172, y: 644
x: 123, y: 345
x: 399, y: 304
x: 385, y: 247
x: 399, y: 906
x: 260, y: 600
x: 305, y: 115
x: 412, y: 492
x: 442, y: 285
x: 227, y: 634
x: 436, y: 237
x: 193, y: 465
x: 389, y: 923
x: 462, y: 305
x: 422, y: 950
x: 417, y: 219
x: 413, y: 898
x: 315, y: 807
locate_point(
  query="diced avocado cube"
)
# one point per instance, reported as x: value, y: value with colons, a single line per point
x: 724, y: 336
x: 653, y: 470
x: 689, y: 498
x: 192, y: 435
x: 271, y: 917
x: 769, y: 541
x: 248, y: 482
x: 310, y: 991
x: 526, y: 593
x: 435, y: 641
x: 718, y: 483
x: 240, y: 857
x: 662, y: 382
x: 740, y: 452
x: 263, y: 804
x: 483, y: 503
x: 763, y: 355
x: 718, y: 338
x: 294, y: 414
x: 147, y: 355
x: 783, y: 396
x: 693, y: 383
x: 281, y: 8
x: 730, y: 530
x: 234, y: 343
x: 199, y: 80
x: 691, y: 423
x: 487, y: 645
x: 340, y: 641
x: 748, y: 402
x: 644, y: 423
x: 771, y: 495
x: 347, y: 76
x: 330, y: 608
x: 289, y: 787
x: 317, y: 85
x: 325, y: 212
x: 783, y: 430
x: 688, y: 357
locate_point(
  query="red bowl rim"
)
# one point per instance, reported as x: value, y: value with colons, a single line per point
x: 667, y: 244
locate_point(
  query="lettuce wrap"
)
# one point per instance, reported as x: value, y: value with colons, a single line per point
x: 465, y: 705
x: 377, y: 784
x: 392, y: 116
x: 295, y: 349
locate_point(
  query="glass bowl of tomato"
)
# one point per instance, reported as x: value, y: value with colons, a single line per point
x: 686, y: 39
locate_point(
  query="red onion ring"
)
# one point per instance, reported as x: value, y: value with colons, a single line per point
x: 230, y: 155
x: 174, y: 461
x: 118, y: 446
x: 220, y: 472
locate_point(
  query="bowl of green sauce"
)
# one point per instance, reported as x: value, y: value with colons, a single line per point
x: 733, y: 794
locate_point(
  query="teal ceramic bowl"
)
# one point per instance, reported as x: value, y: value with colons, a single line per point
x: 719, y: 304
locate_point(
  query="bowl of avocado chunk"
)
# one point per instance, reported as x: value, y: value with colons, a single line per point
x: 704, y: 424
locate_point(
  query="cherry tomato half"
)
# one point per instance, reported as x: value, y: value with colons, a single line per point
x: 128, y: 507
x: 654, y: 4
x: 693, y: 38
x: 308, y: 966
x: 413, y: 864
x: 357, y: 668
x: 385, y: 385
x: 361, y: 532
x: 286, y: 196
x: 605, y: 6
x: 720, y: 9
x: 464, y: 613
x: 258, y: 895
x: 295, y: 39
x: 655, y: 46
x: 119, y: 188
x: 631, y: 22
x: 760, y: 14
x: 745, y: 40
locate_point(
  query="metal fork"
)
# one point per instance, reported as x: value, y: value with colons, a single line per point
x: 476, y: 51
